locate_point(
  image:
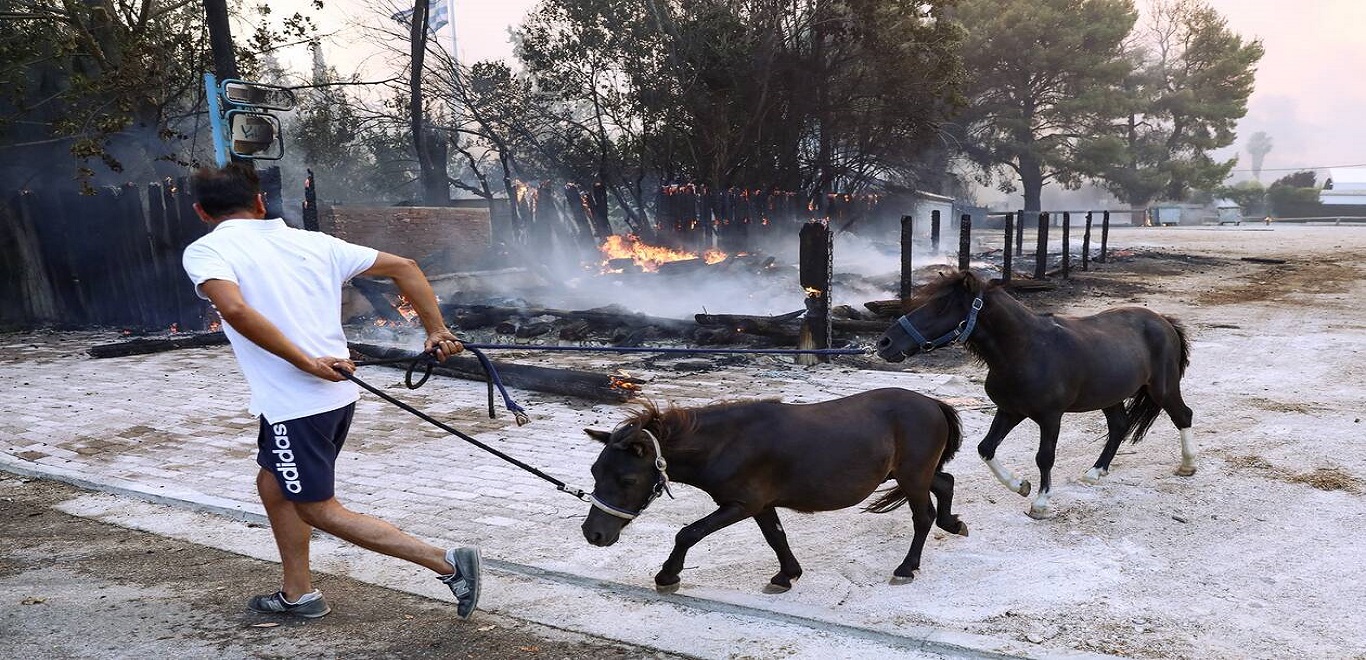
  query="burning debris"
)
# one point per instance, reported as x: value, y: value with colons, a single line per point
x: 619, y: 252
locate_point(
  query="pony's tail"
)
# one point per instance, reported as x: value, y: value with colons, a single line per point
x: 955, y: 433
x: 1141, y: 411
x: 1185, y: 342
x: 894, y: 497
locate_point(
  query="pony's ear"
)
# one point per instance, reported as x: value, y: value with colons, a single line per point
x: 972, y: 283
x: 600, y: 436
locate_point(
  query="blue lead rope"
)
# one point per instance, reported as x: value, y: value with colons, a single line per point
x: 427, y: 360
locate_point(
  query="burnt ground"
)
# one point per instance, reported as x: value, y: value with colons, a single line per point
x: 74, y: 587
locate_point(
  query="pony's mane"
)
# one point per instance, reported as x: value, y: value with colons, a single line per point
x: 676, y: 422
x: 950, y: 281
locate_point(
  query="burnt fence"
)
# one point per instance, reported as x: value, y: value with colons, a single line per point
x: 107, y: 259
x: 691, y: 217
x: 1013, y: 241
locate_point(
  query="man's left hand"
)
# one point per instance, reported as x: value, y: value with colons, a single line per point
x: 444, y: 343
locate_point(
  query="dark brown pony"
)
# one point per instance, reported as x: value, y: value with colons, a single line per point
x: 755, y: 456
x: 1126, y: 362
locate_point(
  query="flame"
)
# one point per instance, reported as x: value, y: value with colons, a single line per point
x: 812, y: 292
x: 649, y: 257
x: 619, y: 381
x: 175, y: 328
x: 405, y: 310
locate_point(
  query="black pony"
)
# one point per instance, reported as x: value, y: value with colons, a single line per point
x: 753, y: 457
x: 1126, y: 362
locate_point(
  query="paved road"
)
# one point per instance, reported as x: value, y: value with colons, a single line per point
x: 170, y: 428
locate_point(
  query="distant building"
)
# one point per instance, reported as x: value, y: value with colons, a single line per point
x: 1345, y: 186
x: 1344, y: 193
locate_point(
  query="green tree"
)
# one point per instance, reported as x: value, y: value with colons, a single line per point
x: 1042, y: 74
x: 104, y: 92
x: 107, y: 83
x: 813, y: 95
x: 1295, y: 196
x: 1184, y: 100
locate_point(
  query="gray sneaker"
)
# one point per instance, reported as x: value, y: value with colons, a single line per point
x: 309, y: 606
x: 464, y: 582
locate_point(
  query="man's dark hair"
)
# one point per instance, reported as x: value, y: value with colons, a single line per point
x: 220, y: 191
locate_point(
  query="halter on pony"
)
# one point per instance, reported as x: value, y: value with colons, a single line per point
x: 661, y: 485
x: 959, y: 333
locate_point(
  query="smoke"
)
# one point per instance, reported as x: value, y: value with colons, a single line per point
x: 765, y: 282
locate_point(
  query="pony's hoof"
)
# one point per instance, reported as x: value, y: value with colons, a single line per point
x: 1185, y: 471
x: 962, y: 529
x: 1092, y: 476
x: 1024, y: 489
x: 667, y: 588
x: 772, y: 588
x: 898, y: 580
x: 1040, y: 514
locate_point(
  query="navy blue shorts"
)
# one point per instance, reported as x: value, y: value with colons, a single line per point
x: 302, y: 452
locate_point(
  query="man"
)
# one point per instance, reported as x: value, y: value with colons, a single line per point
x: 278, y: 291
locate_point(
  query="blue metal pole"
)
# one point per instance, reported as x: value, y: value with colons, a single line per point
x: 220, y: 143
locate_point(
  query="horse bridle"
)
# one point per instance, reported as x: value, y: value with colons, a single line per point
x: 661, y: 485
x: 959, y: 333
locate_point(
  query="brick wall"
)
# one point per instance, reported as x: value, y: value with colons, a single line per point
x: 442, y: 239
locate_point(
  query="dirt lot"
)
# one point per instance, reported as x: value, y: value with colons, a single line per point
x: 76, y: 588
x: 1256, y: 556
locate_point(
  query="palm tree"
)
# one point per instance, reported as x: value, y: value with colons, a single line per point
x: 1258, y: 146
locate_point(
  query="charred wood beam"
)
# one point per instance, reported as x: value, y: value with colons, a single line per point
x: 478, y: 316
x: 377, y: 293
x: 570, y: 382
x: 144, y: 346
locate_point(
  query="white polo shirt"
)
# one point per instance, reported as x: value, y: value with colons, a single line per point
x: 294, y: 278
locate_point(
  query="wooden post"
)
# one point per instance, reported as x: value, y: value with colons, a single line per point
x: 310, y: 203
x: 1066, y: 244
x: 964, y: 241
x: 601, y: 225
x: 1086, y: 244
x: 816, y: 269
x: 1006, y: 265
x: 1104, y: 236
x: 934, y: 231
x: 907, y: 268
x: 1019, y: 233
x: 1041, y: 249
x: 273, y: 187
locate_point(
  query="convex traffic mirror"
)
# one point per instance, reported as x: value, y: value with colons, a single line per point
x: 255, y: 135
x: 257, y: 95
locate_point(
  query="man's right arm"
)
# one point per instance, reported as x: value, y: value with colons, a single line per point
x: 227, y: 298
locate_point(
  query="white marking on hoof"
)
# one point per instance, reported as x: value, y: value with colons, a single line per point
x: 1039, y: 509
x: 1093, y: 476
x: 1187, y: 453
x: 1024, y: 489
x: 1005, y: 476
x: 897, y: 579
